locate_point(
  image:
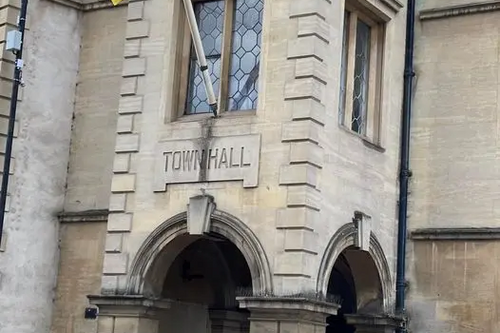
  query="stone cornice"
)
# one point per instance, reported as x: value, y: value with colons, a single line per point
x: 470, y: 234
x: 98, y: 4
x: 129, y: 305
x: 84, y: 216
x: 459, y: 10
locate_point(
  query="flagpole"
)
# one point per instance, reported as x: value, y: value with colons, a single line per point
x: 12, y: 116
x: 200, y: 55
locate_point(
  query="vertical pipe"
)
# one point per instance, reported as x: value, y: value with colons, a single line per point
x: 405, y: 172
x: 12, y: 115
x: 200, y: 54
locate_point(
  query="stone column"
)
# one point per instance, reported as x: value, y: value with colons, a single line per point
x: 284, y: 315
x: 227, y: 321
x: 373, y: 323
x: 128, y: 314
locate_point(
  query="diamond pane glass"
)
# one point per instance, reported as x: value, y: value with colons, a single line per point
x: 361, y: 70
x: 210, y: 18
x: 343, y: 69
x: 245, y: 55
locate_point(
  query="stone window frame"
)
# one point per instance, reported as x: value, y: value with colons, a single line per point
x: 354, y: 11
x: 183, y: 45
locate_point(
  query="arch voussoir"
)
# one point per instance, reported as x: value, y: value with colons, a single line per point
x: 145, y: 266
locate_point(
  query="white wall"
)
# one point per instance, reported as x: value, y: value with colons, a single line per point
x: 29, y: 265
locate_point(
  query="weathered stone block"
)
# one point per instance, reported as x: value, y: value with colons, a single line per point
x: 115, y: 263
x: 299, y: 174
x: 117, y: 202
x: 121, y: 163
x: 134, y: 67
x: 127, y: 143
x: 301, y: 131
x: 131, y: 104
x: 114, y: 243
x: 137, y: 29
x: 120, y: 222
x: 125, y: 124
x: 135, y: 10
x: 310, y: 46
x: 123, y: 183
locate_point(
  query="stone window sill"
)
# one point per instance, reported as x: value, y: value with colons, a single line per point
x: 369, y: 143
x: 223, y: 115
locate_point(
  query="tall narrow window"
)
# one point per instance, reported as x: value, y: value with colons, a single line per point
x: 231, y: 35
x: 360, y: 71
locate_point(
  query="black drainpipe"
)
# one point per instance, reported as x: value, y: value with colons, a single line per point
x: 405, y: 172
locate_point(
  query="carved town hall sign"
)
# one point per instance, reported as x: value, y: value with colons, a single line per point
x: 208, y: 160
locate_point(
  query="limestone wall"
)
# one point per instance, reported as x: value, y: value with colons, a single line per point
x: 454, y: 160
x: 83, y: 224
x: 312, y: 174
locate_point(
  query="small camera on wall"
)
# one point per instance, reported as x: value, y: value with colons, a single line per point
x: 91, y: 313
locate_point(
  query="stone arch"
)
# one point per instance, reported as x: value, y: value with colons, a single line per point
x: 343, y: 239
x: 147, y: 275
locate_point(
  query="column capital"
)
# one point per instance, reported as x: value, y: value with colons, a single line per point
x: 279, y: 308
x: 367, y: 323
x: 128, y: 305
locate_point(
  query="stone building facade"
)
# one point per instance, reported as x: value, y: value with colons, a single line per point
x: 280, y: 214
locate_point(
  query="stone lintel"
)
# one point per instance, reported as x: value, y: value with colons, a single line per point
x: 470, y: 234
x: 128, y: 305
x: 365, y: 323
x: 96, y: 215
x: 286, y: 308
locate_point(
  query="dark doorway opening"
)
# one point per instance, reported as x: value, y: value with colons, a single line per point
x: 202, y: 282
x: 341, y: 284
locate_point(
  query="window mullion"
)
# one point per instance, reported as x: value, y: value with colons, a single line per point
x: 351, y: 58
x: 371, y: 113
x: 226, y: 54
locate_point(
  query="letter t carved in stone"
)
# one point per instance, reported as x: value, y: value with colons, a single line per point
x: 199, y: 213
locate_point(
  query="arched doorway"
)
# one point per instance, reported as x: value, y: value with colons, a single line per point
x: 202, y: 283
x: 200, y: 273
x: 355, y: 269
x: 354, y: 278
x: 341, y: 284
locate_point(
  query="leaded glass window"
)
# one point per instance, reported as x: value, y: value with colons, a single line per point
x: 359, y: 70
x: 231, y: 33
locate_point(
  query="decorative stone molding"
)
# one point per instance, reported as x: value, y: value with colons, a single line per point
x: 459, y: 10
x: 222, y: 224
x: 345, y: 237
x: 84, y: 216
x: 465, y: 234
x: 284, y: 304
x: 304, y: 96
x: 128, y: 306
x: 128, y: 140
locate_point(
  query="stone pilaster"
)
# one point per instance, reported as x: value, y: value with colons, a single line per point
x: 304, y: 96
x: 282, y: 315
x: 128, y: 314
x: 123, y: 183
